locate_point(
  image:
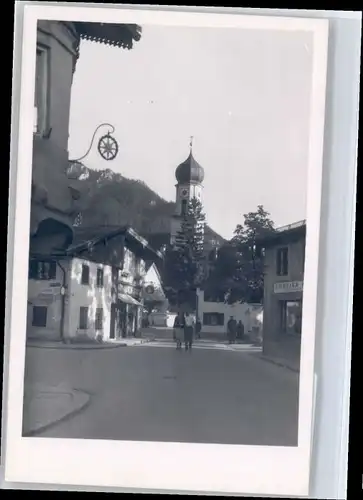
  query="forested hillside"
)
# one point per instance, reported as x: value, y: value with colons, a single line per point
x: 109, y: 199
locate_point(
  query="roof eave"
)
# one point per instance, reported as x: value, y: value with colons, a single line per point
x: 278, y: 236
x: 117, y: 35
x: 127, y: 230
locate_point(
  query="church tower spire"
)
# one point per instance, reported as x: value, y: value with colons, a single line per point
x: 189, y: 176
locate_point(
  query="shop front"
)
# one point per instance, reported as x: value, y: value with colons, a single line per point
x: 130, y: 313
x: 284, y: 261
x: 283, y: 321
x: 289, y: 302
x: 290, y: 317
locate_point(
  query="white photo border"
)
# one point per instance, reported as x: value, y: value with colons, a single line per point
x: 150, y: 465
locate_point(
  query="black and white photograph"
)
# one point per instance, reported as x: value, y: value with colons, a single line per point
x: 187, y: 250
x: 168, y: 228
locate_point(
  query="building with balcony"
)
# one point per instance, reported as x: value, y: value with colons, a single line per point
x: 283, y: 292
x: 55, y: 198
x: 93, y: 290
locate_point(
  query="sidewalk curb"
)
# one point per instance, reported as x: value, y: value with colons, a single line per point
x: 76, y: 347
x: 144, y: 341
x: 63, y: 418
x: 278, y: 363
x: 85, y: 347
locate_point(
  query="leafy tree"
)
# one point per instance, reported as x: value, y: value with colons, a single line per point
x: 239, y: 269
x: 221, y: 279
x: 184, y: 262
x: 256, y: 225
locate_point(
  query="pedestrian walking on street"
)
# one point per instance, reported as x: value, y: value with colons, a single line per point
x: 240, y: 330
x: 188, y: 331
x: 179, y: 330
x: 231, y: 330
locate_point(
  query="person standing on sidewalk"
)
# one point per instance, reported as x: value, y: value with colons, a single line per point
x: 188, y: 331
x: 240, y: 330
x: 231, y: 330
x: 179, y: 330
x: 198, y: 328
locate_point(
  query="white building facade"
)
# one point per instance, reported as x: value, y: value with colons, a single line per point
x: 155, y: 298
x: 44, y: 311
x: 214, y: 316
x: 85, y: 294
x: 86, y: 300
x: 89, y: 299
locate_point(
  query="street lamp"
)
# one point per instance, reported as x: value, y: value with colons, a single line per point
x: 107, y: 145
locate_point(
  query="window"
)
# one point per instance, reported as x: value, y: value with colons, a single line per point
x: 39, y: 316
x: 83, y: 318
x: 132, y: 268
x: 99, y: 319
x: 85, y: 275
x: 184, y: 207
x: 99, y: 277
x: 115, y: 275
x: 290, y: 317
x: 213, y: 255
x: 114, y: 281
x: 127, y: 260
x: 213, y: 319
x: 42, y: 270
x: 141, y: 269
x: 138, y: 266
x: 282, y: 262
x: 41, y: 90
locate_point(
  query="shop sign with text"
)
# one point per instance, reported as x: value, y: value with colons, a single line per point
x: 288, y: 286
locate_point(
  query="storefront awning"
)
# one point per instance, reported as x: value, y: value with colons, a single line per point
x: 127, y: 299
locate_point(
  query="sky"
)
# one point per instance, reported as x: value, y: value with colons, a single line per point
x: 243, y: 94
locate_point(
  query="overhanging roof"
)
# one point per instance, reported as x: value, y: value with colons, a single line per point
x: 127, y: 299
x: 117, y: 35
x: 88, y: 237
x: 290, y: 232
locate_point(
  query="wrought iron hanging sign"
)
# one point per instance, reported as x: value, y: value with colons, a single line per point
x: 108, y: 147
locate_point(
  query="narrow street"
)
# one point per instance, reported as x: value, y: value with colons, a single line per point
x: 159, y: 394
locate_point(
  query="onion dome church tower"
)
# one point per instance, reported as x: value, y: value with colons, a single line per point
x: 189, y: 176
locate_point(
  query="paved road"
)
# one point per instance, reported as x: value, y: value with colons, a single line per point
x: 146, y: 393
x: 162, y: 333
x: 205, y: 345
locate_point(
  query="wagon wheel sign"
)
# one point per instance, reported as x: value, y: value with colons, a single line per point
x: 149, y: 289
x: 108, y: 147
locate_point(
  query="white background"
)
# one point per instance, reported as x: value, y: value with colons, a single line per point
x: 334, y: 322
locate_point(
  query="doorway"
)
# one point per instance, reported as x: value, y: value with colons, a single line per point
x: 290, y: 316
x: 113, y: 322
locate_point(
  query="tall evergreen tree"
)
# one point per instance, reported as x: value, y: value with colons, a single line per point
x: 185, y: 262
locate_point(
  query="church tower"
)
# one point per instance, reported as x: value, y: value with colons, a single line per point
x: 189, y: 176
